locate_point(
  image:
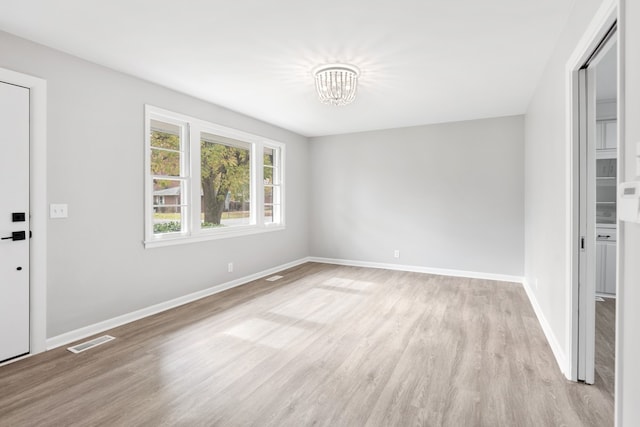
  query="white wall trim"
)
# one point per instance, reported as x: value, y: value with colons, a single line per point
x: 419, y: 269
x: 556, y: 348
x: 38, y: 204
x: 598, y: 27
x: 99, y: 327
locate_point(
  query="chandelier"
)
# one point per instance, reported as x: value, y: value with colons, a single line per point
x: 336, y: 84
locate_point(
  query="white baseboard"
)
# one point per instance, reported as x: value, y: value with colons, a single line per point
x: 556, y: 348
x: 418, y: 269
x: 96, y: 328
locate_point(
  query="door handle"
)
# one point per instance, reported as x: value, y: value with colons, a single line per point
x: 16, y: 235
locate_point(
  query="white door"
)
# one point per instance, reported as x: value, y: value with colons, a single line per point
x: 14, y: 221
x: 586, y: 246
x: 587, y: 226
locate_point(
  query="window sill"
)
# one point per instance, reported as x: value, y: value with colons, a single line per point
x: 170, y: 240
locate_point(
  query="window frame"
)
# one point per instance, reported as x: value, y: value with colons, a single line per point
x: 191, y: 230
x: 277, y: 182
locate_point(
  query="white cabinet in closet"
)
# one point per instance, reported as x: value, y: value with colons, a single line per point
x: 606, y: 261
x: 606, y: 134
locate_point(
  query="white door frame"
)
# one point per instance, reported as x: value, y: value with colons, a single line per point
x: 603, y: 20
x: 38, y: 203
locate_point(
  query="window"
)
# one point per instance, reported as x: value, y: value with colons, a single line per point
x: 167, y: 168
x: 206, y: 181
x: 225, y: 171
x: 272, y: 185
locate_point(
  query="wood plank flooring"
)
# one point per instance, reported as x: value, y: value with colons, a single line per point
x: 605, y: 345
x: 324, y: 346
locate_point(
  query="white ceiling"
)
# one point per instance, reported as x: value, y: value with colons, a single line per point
x: 422, y: 61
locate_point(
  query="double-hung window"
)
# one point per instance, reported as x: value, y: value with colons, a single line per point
x: 205, y: 181
x: 272, y: 179
x: 169, y: 174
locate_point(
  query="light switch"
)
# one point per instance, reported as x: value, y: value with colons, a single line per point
x: 58, y: 210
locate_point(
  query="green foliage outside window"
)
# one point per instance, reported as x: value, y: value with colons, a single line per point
x: 225, y: 175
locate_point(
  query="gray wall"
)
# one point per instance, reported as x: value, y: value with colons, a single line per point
x: 447, y: 196
x: 628, y: 386
x: 98, y: 268
x: 546, y: 183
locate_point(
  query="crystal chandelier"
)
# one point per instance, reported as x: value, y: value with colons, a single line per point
x: 336, y: 84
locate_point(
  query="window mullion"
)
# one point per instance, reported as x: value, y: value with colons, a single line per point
x: 258, y: 167
x: 148, y: 211
x: 196, y: 184
x: 279, y: 164
x: 185, y: 173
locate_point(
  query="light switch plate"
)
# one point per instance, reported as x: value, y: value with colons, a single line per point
x: 58, y: 210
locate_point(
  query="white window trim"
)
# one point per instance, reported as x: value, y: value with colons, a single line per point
x: 280, y: 169
x: 193, y: 233
x: 185, y: 172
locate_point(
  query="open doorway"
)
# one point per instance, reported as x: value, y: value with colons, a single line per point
x: 606, y: 183
x: 595, y: 185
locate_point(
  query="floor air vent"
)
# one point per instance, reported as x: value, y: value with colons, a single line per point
x: 90, y: 344
x: 273, y: 278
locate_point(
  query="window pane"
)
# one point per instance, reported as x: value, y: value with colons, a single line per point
x: 165, y: 135
x: 165, y: 162
x: 167, y: 219
x: 169, y: 189
x: 268, y: 194
x: 268, y: 175
x: 268, y: 214
x: 226, y: 183
x: 237, y: 214
x: 268, y: 156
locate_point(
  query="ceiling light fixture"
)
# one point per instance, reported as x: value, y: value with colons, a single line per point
x: 336, y: 84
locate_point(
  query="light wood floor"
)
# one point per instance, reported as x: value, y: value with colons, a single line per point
x: 324, y: 346
x: 605, y: 345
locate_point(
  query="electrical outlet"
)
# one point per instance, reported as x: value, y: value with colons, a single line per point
x: 230, y: 267
x: 396, y: 253
x: 58, y: 210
